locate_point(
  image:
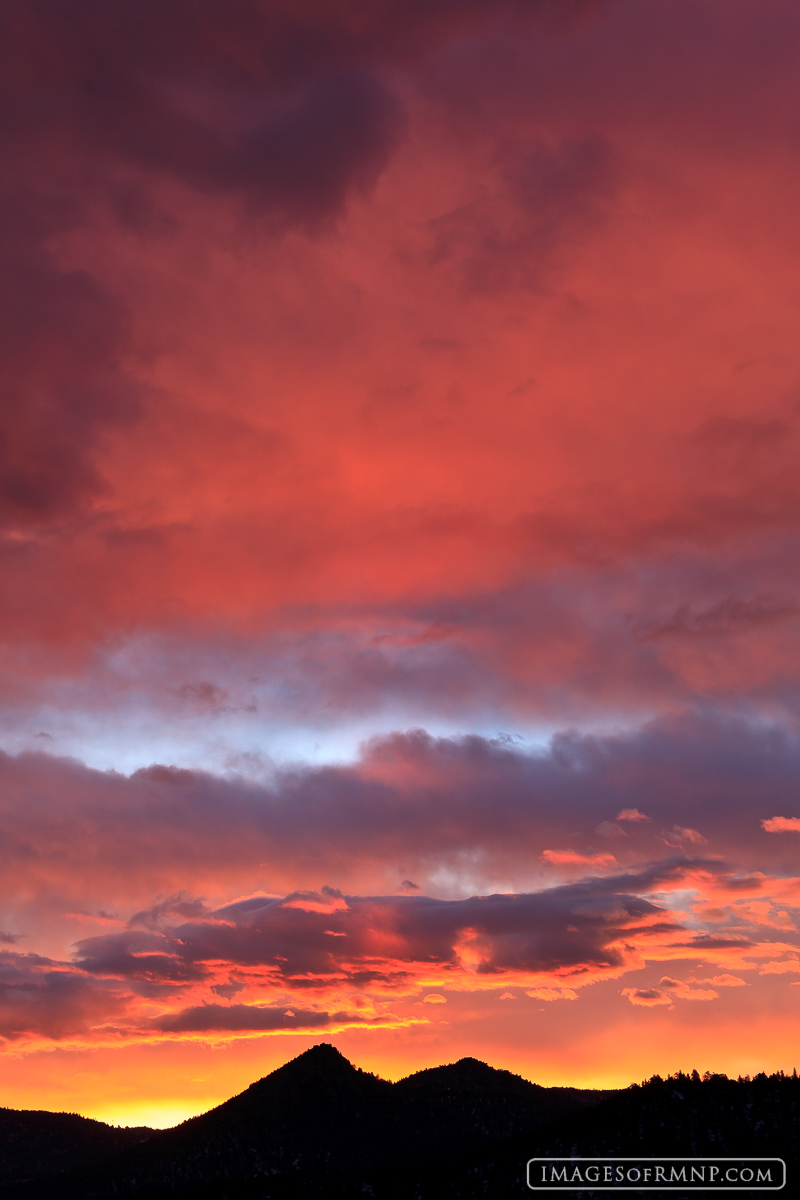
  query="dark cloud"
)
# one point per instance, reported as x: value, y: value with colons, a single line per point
x: 42, y: 997
x: 179, y: 905
x: 728, y: 617
x: 294, y: 153
x: 205, y: 1018
x: 277, y: 104
x: 138, y: 954
x: 706, y: 942
x: 62, y: 337
x: 564, y: 929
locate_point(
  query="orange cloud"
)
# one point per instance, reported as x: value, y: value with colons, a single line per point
x: 684, y: 992
x: 723, y: 981
x: 550, y: 993
x: 574, y: 858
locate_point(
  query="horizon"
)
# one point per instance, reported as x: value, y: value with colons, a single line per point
x: 399, y: 530
x: 701, y: 1077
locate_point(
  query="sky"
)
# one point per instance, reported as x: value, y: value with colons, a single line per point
x: 399, y: 523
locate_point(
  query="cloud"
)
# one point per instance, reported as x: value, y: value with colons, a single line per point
x: 266, y: 964
x: 239, y: 1018
x: 781, y: 824
x: 179, y: 905
x: 572, y: 930
x: 301, y: 160
x: 786, y: 966
x: 545, y: 196
x: 139, y: 98
x: 392, y: 947
x: 263, y: 110
x: 647, y: 997
x: 259, y: 125
x: 609, y: 829
x: 166, y: 832
x: 431, y: 367
x: 573, y: 858
x: 704, y: 941
x: 723, y: 981
x: 549, y: 993
x: 350, y: 962
x: 40, y: 997
x: 726, y: 618
x: 251, y: 108
x: 743, y: 435
x: 61, y: 362
x: 328, y: 900
x: 682, y: 838
x: 684, y: 992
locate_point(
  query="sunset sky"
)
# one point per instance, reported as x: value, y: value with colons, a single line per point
x: 399, y: 522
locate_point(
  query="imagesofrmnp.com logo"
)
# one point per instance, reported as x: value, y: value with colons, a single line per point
x: 656, y: 1174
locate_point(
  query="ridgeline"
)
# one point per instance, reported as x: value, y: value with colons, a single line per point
x: 320, y: 1127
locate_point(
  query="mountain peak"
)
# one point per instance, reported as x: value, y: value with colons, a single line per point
x: 322, y: 1059
x: 319, y: 1075
x: 469, y: 1075
x: 324, y: 1052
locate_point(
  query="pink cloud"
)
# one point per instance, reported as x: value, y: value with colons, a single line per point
x: 781, y: 825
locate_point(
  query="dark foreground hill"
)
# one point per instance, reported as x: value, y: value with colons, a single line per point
x: 320, y: 1127
x: 37, y: 1144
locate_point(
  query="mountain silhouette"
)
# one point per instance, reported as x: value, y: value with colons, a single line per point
x: 309, y: 1126
x: 35, y: 1144
x: 320, y: 1127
